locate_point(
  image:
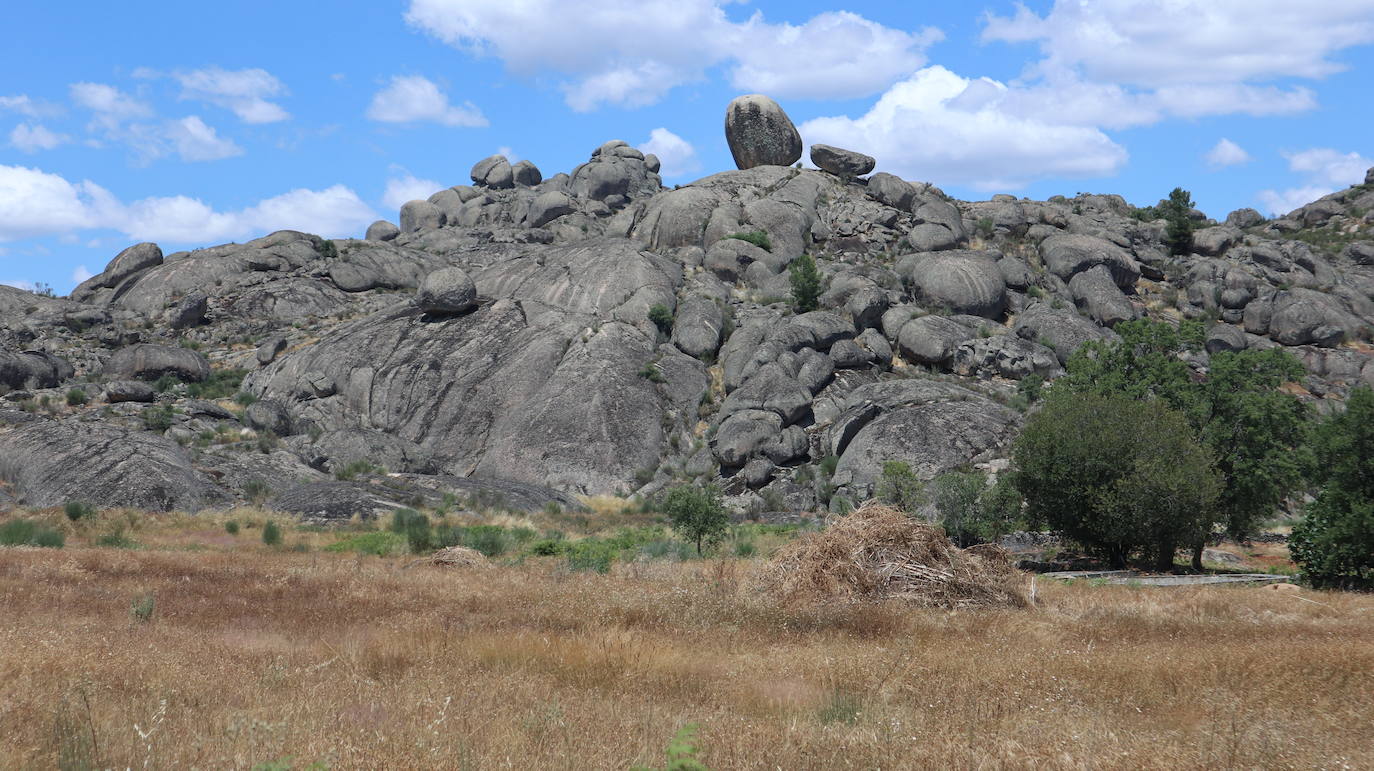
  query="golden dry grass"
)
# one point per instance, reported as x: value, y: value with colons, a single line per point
x: 253, y: 655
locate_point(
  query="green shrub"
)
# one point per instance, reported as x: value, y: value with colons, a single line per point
x: 244, y: 399
x: 271, y: 534
x: 142, y: 608
x: 355, y: 469
x: 757, y: 238
x: 78, y: 510
x: 24, y: 532
x: 682, y: 752
x: 662, y: 318
x: 900, y: 487
x: 77, y: 397
x: 157, y: 419
x: 415, y: 526
x: 256, y: 491
x: 116, y: 539
x: 547, y: 547
x: 231, y: 527
x: 590, y: 555
x: 652, y: 373
x: 222, y: 384
x: 806, y: 282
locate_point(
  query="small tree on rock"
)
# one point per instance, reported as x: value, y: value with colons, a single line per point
x: 806, y: 284
x: 1178, y: 233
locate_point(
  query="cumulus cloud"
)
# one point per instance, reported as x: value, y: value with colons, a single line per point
x: 31, y: 138
x: 195, y: 141
x: 401, y: 190
x: 676, y: 155
x: 1226, y: 153
x: 1191, y: 57
x: 111, y: 106
x: 244, y: 92
x: 939, y: 126
x: 1323, y: 171
x: 630, y: 53
x: 81, y: 273
x: 37, y: 203
x: 416, y: 99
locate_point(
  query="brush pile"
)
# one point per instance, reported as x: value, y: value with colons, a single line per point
x: 879, y: 553
x: 459, y: 557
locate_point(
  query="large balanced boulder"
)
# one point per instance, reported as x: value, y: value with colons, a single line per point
x: 1070, y: 254
x: 846, y: 164
x: 760, y: 133
x: 150, y: 362
x: 447, y: 291
x: 494, y: 171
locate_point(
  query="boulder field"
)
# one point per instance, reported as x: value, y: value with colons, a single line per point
x: 530, y: 339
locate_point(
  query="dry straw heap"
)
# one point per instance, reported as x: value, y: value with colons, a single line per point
x: 459, y: 557
x: 880, y: 553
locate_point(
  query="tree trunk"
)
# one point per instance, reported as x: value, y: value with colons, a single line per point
x: 1117, y: 556
x: 1197, y: 554
x: 1164, y: 562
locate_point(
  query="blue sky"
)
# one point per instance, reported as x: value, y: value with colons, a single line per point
x: 192, y: 124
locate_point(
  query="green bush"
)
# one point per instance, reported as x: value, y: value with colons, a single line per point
x: 256, y: 491
x: 590, y: 555
x: 142, y: 608
x: 116, y: 539
x: 1178, y: 233
x: 222, y: 384
x: 24, y: 532
x: 78, y: 510
x: 157, y: 419
x: 271, y: 534
x: 231, y: 527
x: 973, y: 512
x: 77, y: 397
x: 415, y: 526
x: 757, y: 238
x: 355, y: 469
x: 806, y: 282
x: 547, y: 547
x: 662, y: 318
x: 900, y: 487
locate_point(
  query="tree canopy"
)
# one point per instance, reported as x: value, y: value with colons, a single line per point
x: 1335, y: 543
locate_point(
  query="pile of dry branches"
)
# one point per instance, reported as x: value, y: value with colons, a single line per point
x: 459, y: 557
x: 879, y: 553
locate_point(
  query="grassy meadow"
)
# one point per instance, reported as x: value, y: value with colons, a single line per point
x: 185, y: 646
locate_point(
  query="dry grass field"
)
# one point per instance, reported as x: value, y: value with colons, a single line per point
x: 252, y: 656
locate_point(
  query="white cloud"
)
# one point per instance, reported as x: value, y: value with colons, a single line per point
x: 110, y: 105
x: 1151, y: 44
x: 32, y: 138
x: 401, y: 190
x: 508, y: 153
x: 1324, y: 171
x: 27, y: 107
x: 939, y: 126
x: 1226, y: 153
x: 27, y: 286
x: 632, y: 52
x: 244, y: 92
x: 835, y: 55
x: 81, y: 273
x: 414, y: 99
x: 36, y: 203
x: 195, y: 141
x: 676, y: 154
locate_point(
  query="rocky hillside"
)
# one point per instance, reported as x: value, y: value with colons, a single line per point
x: 529, y: 339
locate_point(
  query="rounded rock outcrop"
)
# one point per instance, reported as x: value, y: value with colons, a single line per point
x: 495, y: 172
x: 845, y: 164
x: 760, y: 133
x: 447, y: 291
